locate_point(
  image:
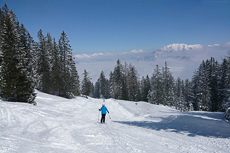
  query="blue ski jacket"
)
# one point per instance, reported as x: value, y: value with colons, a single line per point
x: 103, y: 110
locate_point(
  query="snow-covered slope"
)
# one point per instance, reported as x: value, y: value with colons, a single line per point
x: 61, y: 125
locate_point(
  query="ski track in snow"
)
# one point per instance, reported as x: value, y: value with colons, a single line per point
x: 59, y: 125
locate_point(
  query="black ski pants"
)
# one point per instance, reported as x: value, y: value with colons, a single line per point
x: 103, y: 118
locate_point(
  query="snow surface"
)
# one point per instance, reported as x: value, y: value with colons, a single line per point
x: 58, y: 125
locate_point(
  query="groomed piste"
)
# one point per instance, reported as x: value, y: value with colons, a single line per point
x: 59, y: 125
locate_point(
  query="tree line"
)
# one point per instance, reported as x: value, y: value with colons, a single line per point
x: 48, y: 65
x: 26, y: 65
x: 208, y: 90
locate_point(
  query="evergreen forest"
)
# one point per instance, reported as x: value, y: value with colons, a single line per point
x: 48, y: 65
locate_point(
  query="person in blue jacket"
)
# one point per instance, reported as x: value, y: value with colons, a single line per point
x: 103, y: 110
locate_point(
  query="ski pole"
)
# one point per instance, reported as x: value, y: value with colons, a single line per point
x: 109, y: 116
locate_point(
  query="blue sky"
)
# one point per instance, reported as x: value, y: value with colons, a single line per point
x: 114, y: 26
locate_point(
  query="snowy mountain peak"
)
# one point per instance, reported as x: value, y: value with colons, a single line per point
x: 181, y: 47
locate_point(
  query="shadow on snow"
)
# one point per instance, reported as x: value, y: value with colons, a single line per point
x: 191, y: 125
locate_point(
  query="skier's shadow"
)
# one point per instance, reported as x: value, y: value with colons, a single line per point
x: 189, y: 125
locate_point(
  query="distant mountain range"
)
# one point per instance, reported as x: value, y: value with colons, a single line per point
x: 182, y: 59
x: 185, y: 47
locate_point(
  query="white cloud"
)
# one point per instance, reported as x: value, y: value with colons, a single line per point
x: 82, y: 56
x: 133, y: 52
x: 92, y: 55
x: 107, y: 54
x: 138, y: 51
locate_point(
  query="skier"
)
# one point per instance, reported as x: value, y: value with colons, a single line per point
x: 103, y: 110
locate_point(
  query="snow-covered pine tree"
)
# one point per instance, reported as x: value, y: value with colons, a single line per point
x: 168, y: 86
x: 188, y: 95
x: 133, y: 84
x: 57, y: 81
x: 74, y: 81
x: 206, y: 86
x: 44, y: 65
x: 15, y: 84
x: 226, y: 103
x: 155, y: 95
x: 103, y: 86
x: 96, y: 93
x: 196, y: 84
x: 179, y: 97
x: 111, y: 85
x: 107, y: 93
x: 119, y: 82
x: 223, y: 84
x: 26, y: 49
x: 145, y: 88
x: 28, y: 58
x: 86, y: 85
x: 35, y: 56
x: 66, y: 60
x: 124, y: 85
x: 32, y: 64
x: 213, y: 84
x: 205, y: 90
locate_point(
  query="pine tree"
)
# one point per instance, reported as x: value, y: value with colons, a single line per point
x: 74, y: 80
x: 118, y: 82
x: 102, y: 86
x: 223, y: 84
x: 180, y: 102
x: 28, y: 59
x: 198, y: 88
x: 32, y: 60
x: 15, y: 84
x: 111, y: 85
x: 205, y: 89
x: 133, y: 84
x: 67, y: 67
x: 57, y: 81
x: 44, y: 65
x: 226, y: 103
x: 155, y: 96
x: 86, y: 85
x: 214, y: 85
x: 96, y: 93
x: 168, y: 86
x: 188, y: 95
x: 145, y: 88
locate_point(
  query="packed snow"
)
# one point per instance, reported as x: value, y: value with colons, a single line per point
x: 59, y: 125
